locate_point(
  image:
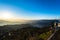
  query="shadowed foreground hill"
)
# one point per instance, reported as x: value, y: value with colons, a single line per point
x: 56, y: 36
x: 27, y: 33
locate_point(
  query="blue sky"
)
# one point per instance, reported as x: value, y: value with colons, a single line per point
x: 32, y: 9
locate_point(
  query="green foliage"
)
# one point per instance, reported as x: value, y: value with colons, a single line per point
x: 45, y: 35
x: 42, y: 36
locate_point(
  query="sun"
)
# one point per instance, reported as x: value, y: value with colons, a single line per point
x: 6, y: 15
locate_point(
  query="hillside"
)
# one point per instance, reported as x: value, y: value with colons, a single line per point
x: 56, y: 36
x: 27, y: 32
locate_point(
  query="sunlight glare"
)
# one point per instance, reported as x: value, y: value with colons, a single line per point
x: 6, y: 15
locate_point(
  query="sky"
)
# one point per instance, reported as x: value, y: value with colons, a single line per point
x: 30, y: 9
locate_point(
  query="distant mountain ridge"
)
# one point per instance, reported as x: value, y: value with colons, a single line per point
x: 4, y: 22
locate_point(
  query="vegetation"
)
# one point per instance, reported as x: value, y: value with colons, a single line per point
x: 28, y: 32
x: 45, y: 35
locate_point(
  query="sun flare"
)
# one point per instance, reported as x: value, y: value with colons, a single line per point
x: 6, y: 15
